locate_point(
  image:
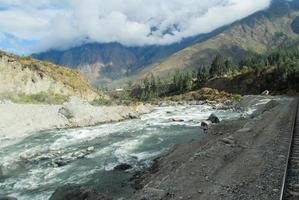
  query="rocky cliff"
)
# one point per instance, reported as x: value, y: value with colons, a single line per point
x: 27, y: 76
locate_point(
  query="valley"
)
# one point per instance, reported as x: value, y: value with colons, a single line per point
x: 166, y: 100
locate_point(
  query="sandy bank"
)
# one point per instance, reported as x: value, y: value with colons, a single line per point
x: 19, y: 120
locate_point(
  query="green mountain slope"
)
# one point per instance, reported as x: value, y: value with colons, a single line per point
x: 257, y: 34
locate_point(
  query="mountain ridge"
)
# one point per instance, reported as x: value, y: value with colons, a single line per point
x: 255, y: 34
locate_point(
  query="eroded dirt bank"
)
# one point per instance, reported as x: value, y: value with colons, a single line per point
x: 242, y: 159
x: 19, y: 120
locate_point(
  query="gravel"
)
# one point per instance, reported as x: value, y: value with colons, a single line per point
x: 238, y: 160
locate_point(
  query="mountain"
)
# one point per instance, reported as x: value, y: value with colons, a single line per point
x: 106, y: 62
x: 26, y: 76
x: 257, y: 34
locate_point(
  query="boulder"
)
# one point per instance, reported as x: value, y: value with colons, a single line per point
x: 267, y: 107
x: 61, y: 163
x: 1, y: 172
x: 132, y: 116
x: 90, y: 149
x: 7, y: 198
x: 70, y: 192
x: 229, y: 141
x: 123, y: 167
x: 177, y: 120
x: 206, y: 123
x: 266, y: 93
x: 214, y: 119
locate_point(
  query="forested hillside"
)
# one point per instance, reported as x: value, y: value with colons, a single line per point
x: 257, y: 34
x: 277, y: 72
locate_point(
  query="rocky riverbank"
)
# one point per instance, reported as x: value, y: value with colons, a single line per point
x: 19, y: 120
x: 239, y: 159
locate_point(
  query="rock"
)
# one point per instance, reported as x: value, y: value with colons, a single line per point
x: 275, y: 190
x: 1, y: 172
x: 90, y: 149
x: 153, y: 194
x: 266, y: 93
x: 177, y: 120
x: 227, y: 141
x: 123, y: 167
x: 214, y: 119
x: 267, y: 107
x: 60, y: 162
x: 132, y: 116
x: 70, y: 192
x: 206, y: 124
x: 7, y: 198
x: 66, y: 112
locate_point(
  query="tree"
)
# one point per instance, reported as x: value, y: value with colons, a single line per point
x: 202, y: 76
x: 217, y: 66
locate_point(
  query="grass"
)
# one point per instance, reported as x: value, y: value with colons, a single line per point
x: 39, y: 98
x: 69, y: 77
x: 205, y: 94
x: 101, y: 102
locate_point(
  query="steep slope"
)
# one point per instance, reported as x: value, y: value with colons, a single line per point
x: 256, y: 34
x: 28, y: 76
x: 106, y: 62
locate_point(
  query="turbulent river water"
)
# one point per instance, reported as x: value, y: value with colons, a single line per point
x: 34, y: 167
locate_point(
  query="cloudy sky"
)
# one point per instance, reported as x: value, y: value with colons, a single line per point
x: 28, y: 26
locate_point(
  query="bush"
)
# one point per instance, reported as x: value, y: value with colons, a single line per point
x: 39, y: 98
x: 101, y: 101
x: 237, y: 97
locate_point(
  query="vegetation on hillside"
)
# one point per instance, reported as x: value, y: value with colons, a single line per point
x: 277, y: 71
x: 31, y: 81
x: 39, y: 98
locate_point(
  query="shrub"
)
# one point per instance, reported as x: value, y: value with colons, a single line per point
x: 101, y: 101
x: 39, y: 98
x: 237, y: 97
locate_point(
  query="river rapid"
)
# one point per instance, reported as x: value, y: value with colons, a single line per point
x: 32, y: 168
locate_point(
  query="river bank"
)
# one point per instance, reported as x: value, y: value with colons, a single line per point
x: 20, y: 120
x: 238, y: 159
x: 34, y: 167
x: 47, y: 161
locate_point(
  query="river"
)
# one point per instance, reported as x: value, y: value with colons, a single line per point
x: 32, y: 168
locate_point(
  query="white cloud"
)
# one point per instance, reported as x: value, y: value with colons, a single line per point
x: 66, y: 23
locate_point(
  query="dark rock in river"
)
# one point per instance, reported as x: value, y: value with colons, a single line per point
x: 8, y: 198
x: 205, y: 124
x: 177, y: 120
x: 123, y: 167
x: 61, y: 163
x: 214, y: 119
x: 1, y: 172
x: 70, y: 192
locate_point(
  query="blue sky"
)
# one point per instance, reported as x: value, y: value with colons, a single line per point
x: 30, y: 26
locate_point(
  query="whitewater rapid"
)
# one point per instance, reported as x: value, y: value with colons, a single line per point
x: 29, y: 167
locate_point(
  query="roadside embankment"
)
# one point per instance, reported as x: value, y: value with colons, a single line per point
x: 18, y: 120
x: 239, y: 159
